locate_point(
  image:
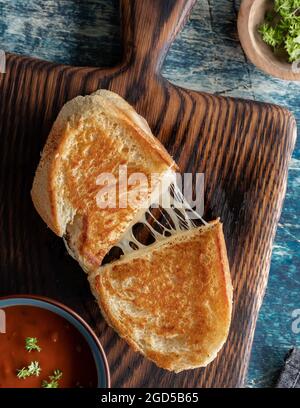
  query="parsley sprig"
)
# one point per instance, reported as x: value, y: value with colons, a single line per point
x: 31, y: 344
x: 281, y: 29
x: 33, y: 369
x: 53, y: 383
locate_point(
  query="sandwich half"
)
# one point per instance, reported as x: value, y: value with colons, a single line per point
x: 171, y: 301
x: 93, y: 136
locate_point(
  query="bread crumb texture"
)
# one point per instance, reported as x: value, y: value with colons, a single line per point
x: 92, y: 136
x: 173, y: 303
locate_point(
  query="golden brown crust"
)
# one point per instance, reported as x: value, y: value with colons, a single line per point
x: 42, y: 190
x: 93, y: 135
x: 133, y: 119
x: 172, y: 303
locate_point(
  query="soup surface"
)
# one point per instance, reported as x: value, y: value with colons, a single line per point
x: 62, y: 350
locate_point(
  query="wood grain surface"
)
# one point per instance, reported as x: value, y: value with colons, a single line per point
x: 243, y: 148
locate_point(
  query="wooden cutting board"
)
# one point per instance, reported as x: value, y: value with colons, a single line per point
x: 243, y: 147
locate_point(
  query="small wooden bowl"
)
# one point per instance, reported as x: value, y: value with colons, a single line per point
x: 251, y: 16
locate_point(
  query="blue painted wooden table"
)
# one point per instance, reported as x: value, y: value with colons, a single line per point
x: 206, y: 56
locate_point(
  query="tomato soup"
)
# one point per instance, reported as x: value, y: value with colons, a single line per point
x: 60, y: 348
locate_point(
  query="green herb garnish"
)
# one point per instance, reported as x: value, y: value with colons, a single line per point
x: 53, y: 383
x: 281, y: 29
x: 33, y: 369
x: 31, y: 344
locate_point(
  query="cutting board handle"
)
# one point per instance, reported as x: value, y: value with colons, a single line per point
x: 149, y: 28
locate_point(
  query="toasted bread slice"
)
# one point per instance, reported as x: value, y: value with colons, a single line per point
x: 171, y: 301
x: 94, y: 135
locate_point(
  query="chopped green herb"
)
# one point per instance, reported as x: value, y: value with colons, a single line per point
x: 23, y: 373
x: 281, y: 28
x: 33, y: 369
x: 53, y: 383
x: 31, y: 344
x: 270, y: 35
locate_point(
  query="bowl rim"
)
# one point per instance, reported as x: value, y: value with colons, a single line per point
x: 70, y: 311
x: 261, y: 61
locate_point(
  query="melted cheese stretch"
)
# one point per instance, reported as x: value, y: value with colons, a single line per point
x: 179, y: 212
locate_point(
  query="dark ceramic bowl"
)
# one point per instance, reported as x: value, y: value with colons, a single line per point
x: 72, y: 318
